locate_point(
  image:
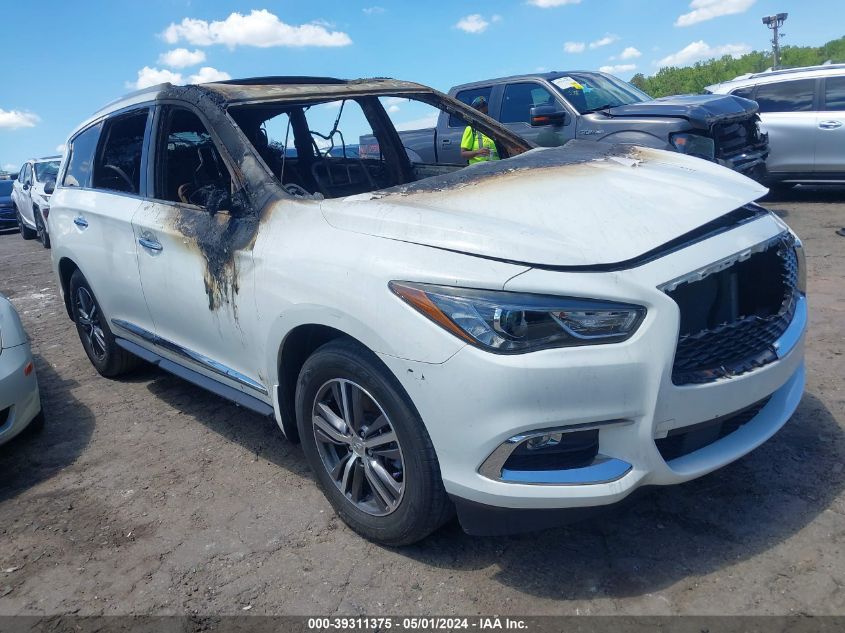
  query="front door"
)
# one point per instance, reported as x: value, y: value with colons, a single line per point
x: 515, y: 113
x: 194, y: 255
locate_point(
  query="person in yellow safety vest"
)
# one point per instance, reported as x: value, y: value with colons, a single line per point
x: 475, y: 146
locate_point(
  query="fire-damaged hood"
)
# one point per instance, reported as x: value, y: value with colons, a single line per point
x: 582, y: 204
x: 700, y: 110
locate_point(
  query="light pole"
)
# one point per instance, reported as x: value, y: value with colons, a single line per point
x: 774, y: 22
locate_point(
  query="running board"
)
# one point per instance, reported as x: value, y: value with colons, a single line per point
x: 198, y: 379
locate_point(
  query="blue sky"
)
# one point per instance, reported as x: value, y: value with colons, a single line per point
x: 66, y: 59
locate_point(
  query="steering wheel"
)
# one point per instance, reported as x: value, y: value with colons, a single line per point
x: 123, y: 176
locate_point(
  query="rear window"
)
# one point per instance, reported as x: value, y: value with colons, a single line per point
x: 786, y: 96
x: 81, y: 159
x: 834, y: 94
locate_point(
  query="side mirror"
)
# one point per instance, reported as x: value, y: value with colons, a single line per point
x: 548, y: 115
x: 50, y: 187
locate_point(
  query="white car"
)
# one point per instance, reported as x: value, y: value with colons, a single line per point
x: 31, y: 197
x: 20, y: 403
x: 513, y: 339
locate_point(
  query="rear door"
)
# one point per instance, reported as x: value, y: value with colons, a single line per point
x: 787, y: 112
x: 23, y: 199
x: 830, y: 127
x: 91, y: 212
x: 195, y: 268
x: 515, y: 112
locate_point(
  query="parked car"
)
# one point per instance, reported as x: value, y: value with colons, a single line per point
x: 8, y: 217
x: 31, y: 197
x: 803, y: 111
x: 20, y: 403
x: 550, y: 109
x: 549, y: 331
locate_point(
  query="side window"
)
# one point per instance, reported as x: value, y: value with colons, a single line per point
x: 189, y: 167
x: 520, y: 98
x: 787, y: 96
x: 22, y: 173
x: 834, y: 94
x: 81, y: 157
x: 27, y: 174
x: 118, y: 164
x: 746, y: 93
x: 467, y: 96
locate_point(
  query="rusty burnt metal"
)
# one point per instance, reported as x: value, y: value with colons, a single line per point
x: 230, y: 225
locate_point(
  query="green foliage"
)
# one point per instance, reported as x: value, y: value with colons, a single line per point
x: 693, y: 79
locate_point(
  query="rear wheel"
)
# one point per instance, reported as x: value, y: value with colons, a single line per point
x: 108, y: 358
x: 41, y: 229
x: 26, y: 232
x: 368, y: 447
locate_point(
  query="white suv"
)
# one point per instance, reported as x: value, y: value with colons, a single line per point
x: 31, y: 197
x: 511, y: 339
x: 803, y: 111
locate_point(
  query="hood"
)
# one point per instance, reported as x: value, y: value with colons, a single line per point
x: 700, y: 110
x: 582, y: 204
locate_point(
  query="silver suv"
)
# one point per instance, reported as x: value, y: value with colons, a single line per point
x: 803, y: 110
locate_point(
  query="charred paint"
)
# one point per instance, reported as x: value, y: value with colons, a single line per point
x: 573, y: 153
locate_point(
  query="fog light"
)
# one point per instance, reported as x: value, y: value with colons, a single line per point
x: 27, y: 370
x: 544, y: 441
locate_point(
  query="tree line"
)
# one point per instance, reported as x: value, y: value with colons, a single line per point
x: 693, y: 79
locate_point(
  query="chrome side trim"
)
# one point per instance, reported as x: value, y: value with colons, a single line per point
x: 603, y: 470
x: 195, y: 357
x: 722, y: 264
x: 789, y: 339
x: 493, y: 466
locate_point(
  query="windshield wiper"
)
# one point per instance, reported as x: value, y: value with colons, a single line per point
x: 602, y: 108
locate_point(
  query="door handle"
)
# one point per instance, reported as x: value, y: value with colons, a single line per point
x: 830, y: 125
x: 151, y: 243
x: 446, y: 141
x: 81, y: 222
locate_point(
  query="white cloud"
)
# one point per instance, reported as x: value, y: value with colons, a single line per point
x: 703, y: 10
x: 393, y: 108
x: 474, y: 23
x: 181, y: 58
x: 630, y: 53
x: 373, y: 10
x: 14, y: 119
x: 60, y: 148
x: 260, y: 28
x: 547, y: 4
x: 618, y: 68
x: 208, y: 74
x: 417, y: 124
x: 574, y: 47
x: 700, y: 50
x: 151, y: 76
x: 607, y: 39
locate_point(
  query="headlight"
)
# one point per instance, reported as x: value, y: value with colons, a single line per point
x: 513, y: 323
x: 694, y: 145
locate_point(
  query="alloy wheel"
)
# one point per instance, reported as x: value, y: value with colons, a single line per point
x: 358, y: 447
x: 88, y: 318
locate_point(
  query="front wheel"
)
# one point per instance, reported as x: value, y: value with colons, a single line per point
x: 41, y: 229
x: 368, y: 447
x: 108, y: 358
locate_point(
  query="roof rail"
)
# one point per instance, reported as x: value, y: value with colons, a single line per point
x: 282, y: 80
x: 787, y: 71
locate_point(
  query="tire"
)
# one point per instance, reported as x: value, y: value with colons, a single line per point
x: 26, y: 232
x: 391, y: 518
x: 40, y: 229
x: 109, y: 359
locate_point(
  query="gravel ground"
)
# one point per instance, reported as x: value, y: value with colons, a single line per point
x: 147, y: 495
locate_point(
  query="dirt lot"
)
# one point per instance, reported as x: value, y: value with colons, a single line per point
x: 147, y: 495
